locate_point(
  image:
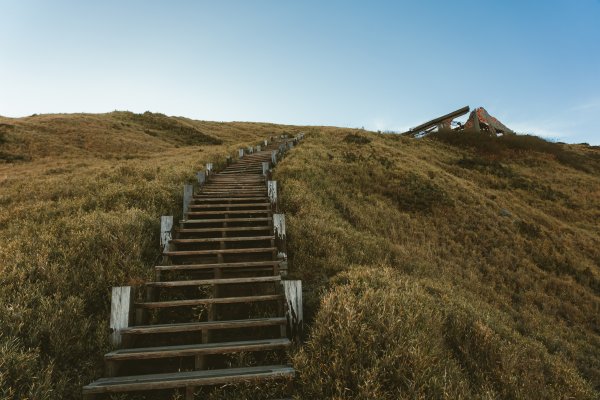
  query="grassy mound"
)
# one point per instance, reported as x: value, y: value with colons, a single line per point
x: 442, y: 271
x: 79, y: 214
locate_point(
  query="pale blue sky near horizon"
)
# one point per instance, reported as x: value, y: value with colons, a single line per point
x: 382, y: 65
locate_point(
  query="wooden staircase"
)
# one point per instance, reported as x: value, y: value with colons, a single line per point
x: 216, y: 312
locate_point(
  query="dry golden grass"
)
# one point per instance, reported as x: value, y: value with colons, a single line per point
x: 432, y: 269
x: 81, y: 197
x: 435, y: 271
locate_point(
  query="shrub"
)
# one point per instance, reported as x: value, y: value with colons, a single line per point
x: 356, y: 139
x: 507, y: 145
x: 415, y: 193
x: 159, y: 125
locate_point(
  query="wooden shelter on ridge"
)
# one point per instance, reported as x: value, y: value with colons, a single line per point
x: 479, y: 121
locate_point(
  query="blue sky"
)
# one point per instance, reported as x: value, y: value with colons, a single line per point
x: 385, y: 65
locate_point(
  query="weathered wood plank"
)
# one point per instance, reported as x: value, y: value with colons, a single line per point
x: 228, y: 205
x: 219, y: 300
x: 272, y: 193
x: 166, y: 226
x: 226, y: 212
x: 185, y: 379
x: 188, y: 193
x: 198, y: 326
x: 224, y: 239
x: 219, y: 251
x: 228, y: 229
x: 120, y: 312
x: 243, y: 264
x: 145, y: 353
x: 220, y: 220
x: 280, y: 236
x: 201, y: 176
x: 222, y: 281
x: 293, y: 297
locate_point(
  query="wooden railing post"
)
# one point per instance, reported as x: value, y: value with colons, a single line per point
x: 293, y: 298
x: 188, y: 193
x: 265, y: 168
x: 121, y: 305
x: 166, y: 225
x: 201, y: 175
x: 274, y: 157
x: 241, y: 153
x: 272, y: 191
x: 279, y: 232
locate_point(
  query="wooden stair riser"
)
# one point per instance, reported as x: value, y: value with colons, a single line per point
x: 194, y: 350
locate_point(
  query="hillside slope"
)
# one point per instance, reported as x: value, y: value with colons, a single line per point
x: 459, y: 271
x: 434, y: 268
x: 80, y: 203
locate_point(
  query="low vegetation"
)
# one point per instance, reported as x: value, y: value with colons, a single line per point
x: 81, y: 198
x: 433, y: 268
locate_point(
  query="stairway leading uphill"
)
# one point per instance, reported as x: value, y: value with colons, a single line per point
x: 215, y: 313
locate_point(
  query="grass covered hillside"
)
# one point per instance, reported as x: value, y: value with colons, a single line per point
x: 80, y: 203
x: 447, y: 267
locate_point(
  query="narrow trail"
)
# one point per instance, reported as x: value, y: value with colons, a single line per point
x: 216, y: 312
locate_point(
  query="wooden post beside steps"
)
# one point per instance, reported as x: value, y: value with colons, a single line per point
x: 272, y: 192
x: 280, y: 236
x: 120, y: 313
x: 166, y: 225
x: 188, y: 192
x: 293, y: 297
x: 201, y: 176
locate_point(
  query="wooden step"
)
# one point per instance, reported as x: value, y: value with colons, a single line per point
x: 220, y: 220
x: 223, y: 281
x: 244, y: 168
x: 237, y: 196
x: 185, y: 379
x: 198, y: 326
x: 235, y: 183
x: 237, y: 178
x: 198, y: 267
x: 145, y: 353
x: 233, y: 189
x: 203, y: 198
x: 222, y: 239
x: 179, y: 253
x: 215, y: 300
x: 257, y: 170
x: 226, y: 229
x: 231, y: 194
x: 231, y: 212
x: 209, y: 187
x: 226, y: 205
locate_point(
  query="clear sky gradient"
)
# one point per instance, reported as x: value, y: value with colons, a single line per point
x: 384, y: 65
